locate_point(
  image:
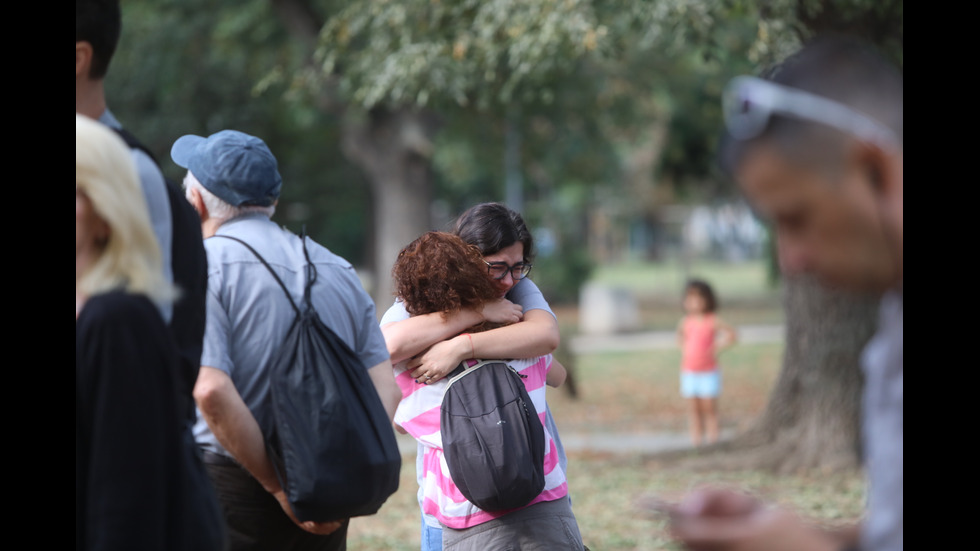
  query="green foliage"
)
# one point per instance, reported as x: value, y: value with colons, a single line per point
x: 467, y: 52
x: 192, y: 67
x: 881, y: 22
x: 561, y: 276
x: 660, y: 280
x: 594, y: 74
x: 589, y: 82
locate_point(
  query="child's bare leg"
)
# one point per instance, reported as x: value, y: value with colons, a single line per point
x: 694, y: 420
x: 710, y: 413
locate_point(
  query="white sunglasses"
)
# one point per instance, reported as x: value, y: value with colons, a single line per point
x: 749, y: 102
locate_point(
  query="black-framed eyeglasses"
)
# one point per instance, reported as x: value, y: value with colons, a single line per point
x: 499, y: 270
x: 749, y: 102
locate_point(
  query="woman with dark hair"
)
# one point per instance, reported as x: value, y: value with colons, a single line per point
x: 440, y: 274
x: 431, y: 345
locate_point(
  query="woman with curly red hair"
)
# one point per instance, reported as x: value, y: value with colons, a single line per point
x: 440, y: 274
x: 434, y: 274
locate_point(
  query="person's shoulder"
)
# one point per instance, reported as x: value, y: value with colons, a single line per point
x: 254, y: 230
x: 119, y: 309
x: 395, y: 312
x: 321, y: 254
x: 146, y: 166
x: 146, y: 163
x: 334, y: 267
x: 534, y: 363
x: 527, y: 294
x: 525, y: 287
x: 116, y: 303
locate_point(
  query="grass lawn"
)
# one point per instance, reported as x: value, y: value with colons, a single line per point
x: 743, y: 289
x: 636, y: 392
x: 632, y: 393
x: 744, y: 280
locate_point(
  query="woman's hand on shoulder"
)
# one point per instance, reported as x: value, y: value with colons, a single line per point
x: 441, y: 358
x: 502, y: 311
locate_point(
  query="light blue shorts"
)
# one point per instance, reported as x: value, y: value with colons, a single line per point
x: 702, y: 384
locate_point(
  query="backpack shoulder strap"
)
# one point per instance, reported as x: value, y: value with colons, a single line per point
x: 271, y: 271
x: 465, y: 368
x: 311, y: 272
x: 133, y: 142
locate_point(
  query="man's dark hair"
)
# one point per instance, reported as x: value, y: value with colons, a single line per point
x: 841, y: 68
x: 98, y: 22
x: 493, y: 227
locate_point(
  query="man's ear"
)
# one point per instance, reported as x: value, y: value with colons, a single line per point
x: 83, y: 58
x: 196, y: 201
x: 879, y: 167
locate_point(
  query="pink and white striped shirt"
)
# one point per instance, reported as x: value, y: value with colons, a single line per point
x: 419, y: 413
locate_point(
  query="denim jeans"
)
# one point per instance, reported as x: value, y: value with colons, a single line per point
x: 431, y: 537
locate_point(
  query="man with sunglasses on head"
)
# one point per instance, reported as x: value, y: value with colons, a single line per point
x: 818, y: 150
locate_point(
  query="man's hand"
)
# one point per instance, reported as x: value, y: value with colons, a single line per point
x: 319, y: 528
x: 722, y: 520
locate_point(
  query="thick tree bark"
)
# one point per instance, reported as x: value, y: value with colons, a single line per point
x: 813, y: 413
x: 393, y: 147
x: 812, y: 419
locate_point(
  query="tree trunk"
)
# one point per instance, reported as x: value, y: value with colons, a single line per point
x: 812, y: 419
x: 813, y: 413
x: 393, y: 147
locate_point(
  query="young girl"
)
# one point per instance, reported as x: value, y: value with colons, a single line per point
x: 441, y: 274
x: 702, y: 335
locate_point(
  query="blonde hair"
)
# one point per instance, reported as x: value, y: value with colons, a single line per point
x: 106, y: 173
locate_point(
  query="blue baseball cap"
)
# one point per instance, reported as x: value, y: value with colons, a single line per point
x: 236, y: 167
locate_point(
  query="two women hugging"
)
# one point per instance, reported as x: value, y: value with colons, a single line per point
x: 441, y: 274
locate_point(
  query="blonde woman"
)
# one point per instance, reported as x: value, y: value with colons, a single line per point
x: 139, y: 481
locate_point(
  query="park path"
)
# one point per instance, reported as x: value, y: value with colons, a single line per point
x: 626, y: 443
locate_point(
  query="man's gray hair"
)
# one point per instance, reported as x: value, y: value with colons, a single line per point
x: 218, y: 208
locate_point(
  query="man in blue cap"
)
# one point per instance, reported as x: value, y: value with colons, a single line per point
x: 233, y: 182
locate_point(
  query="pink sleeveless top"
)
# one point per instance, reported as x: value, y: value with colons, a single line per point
x: 698, y: 351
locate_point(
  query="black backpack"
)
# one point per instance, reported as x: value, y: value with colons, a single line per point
x: 331, y: 442
x: 189, y: 263
x: 492, y: 437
